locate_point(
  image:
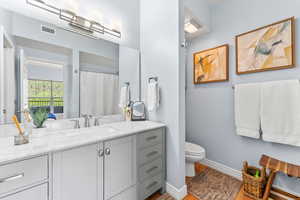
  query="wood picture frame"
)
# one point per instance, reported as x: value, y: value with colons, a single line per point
x: 211, y: 65
x: 264, y: 51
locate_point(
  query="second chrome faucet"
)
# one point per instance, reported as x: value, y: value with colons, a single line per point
x: 87, y: 121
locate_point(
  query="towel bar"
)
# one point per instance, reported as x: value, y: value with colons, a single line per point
x: 233, y: 86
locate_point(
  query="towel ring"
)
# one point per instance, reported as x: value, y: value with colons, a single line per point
x: 153, y: 78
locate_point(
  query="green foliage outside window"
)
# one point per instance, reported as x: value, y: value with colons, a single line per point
x: 43, y: 93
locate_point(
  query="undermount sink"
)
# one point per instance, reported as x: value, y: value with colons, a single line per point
x: 64, y: 124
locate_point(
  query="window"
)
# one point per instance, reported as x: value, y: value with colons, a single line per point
x: 46, y: 94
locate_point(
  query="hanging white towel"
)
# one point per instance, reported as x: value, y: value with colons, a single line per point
x: 153, y: 96
x: 247, y: 107
x: 124, y: 96
x: 280, y: 112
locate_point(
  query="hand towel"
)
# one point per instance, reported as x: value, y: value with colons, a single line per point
x: 153, y: 96
x: 124, y: 96
x: 280, y: 112
x: 247, y: 110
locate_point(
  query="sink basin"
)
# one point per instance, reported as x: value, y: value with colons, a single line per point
x: 64, y: 124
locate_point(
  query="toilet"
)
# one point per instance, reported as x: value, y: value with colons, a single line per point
x: 193, y: 153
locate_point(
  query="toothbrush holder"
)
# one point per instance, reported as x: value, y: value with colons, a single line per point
x: 21, y: 139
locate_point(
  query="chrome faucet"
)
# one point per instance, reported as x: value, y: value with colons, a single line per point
x: 97, y: 122
x: 87, y: 120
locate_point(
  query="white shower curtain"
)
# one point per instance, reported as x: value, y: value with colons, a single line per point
x: 99, y: 93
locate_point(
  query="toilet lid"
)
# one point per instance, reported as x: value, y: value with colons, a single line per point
x: 193, y: 149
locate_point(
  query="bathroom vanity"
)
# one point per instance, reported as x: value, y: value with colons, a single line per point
x: 118, y: 161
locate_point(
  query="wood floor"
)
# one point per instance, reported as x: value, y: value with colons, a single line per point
x: 199, y: 168
x: 240, y: 196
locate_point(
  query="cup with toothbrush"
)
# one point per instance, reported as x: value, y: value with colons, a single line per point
x: 23, y: 136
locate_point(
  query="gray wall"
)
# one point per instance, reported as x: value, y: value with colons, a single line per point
x: 161, y: 35
x: 210, y: 114
x: 130, y: 70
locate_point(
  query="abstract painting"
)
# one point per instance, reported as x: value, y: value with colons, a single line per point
x: 268, y: 48
x: 211, y: 65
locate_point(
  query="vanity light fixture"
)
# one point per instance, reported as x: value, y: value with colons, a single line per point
x: 86, y: 25
x: 192, y: 26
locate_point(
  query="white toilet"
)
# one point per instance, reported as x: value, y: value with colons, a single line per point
x: 193, y: 153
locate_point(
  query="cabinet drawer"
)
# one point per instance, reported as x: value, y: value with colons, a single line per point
x: 150, y: 138
x: 150, y: 154
x: 36, y: 193
x: 23, y: 173
x: 150, y: 186
x: 151, y: 169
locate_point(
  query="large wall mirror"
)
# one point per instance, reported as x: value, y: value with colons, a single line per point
x: 69, y: 74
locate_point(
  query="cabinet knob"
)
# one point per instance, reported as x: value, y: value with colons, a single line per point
x: 107, y: 151
x: 101, y: 153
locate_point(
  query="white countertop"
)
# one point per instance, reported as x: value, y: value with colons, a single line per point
x: 65, y: 139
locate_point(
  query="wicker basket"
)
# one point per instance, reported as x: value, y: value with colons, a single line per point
x: 253, y: 186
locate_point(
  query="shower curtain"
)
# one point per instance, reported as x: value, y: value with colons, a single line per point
x: 99, y: 93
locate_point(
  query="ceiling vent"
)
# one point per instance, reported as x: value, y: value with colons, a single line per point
x: 48, y: 30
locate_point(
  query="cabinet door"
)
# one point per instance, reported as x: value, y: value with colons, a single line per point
x: 76, y: 173
x: 129, y: 194
x: 119, y: 165
x: 36, y: 193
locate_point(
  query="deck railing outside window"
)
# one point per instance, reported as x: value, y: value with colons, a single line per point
x: 46, y: 94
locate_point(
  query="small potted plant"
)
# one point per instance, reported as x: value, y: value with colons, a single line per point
x: 39, y: 116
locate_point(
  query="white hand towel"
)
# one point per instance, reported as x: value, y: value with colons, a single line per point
x: 280, y: 112
x: 124, y: 97
x: 153, y: 96
x: 247, y: 110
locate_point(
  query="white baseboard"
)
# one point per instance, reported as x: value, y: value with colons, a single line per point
x: 233, y: 172
x: 178, y: 194
x: 223, y: 168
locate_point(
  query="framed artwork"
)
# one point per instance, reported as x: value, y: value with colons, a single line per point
x: 211, y: 65
x: 271, y: 47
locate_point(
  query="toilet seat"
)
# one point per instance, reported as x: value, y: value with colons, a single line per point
x: 193, y: 153
x: 193, y: 149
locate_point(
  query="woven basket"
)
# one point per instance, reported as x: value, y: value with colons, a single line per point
x: 254, y: 187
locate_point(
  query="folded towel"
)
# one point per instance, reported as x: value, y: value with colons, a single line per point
x: 124, y: 96
x: 280, y: 112
x: 153, y: 96
x: 247, y: 110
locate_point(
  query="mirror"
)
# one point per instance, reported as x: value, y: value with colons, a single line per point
x: 64, y: 71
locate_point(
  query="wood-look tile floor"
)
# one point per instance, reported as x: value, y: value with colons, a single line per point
x: 199, y: 168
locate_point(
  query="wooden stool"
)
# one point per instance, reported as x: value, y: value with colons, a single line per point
x: 275, y: 166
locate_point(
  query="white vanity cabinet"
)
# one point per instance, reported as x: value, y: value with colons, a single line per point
x: 130, y: 167
x: 77, y: 174
x: 120, y: 166
x: 24, y: 178
x: 36, y: 193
